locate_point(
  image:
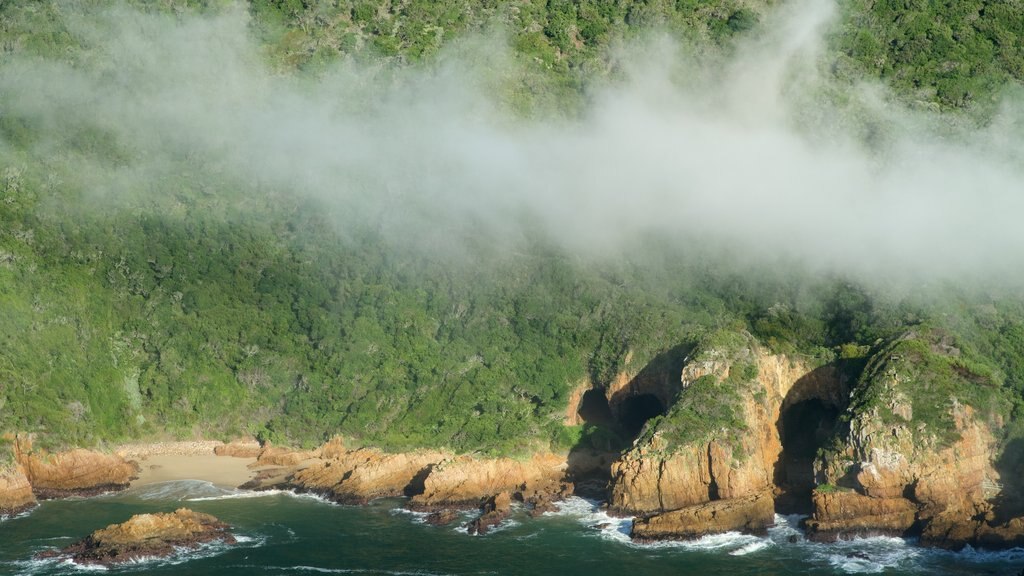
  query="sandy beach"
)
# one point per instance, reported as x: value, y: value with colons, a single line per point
x: 168, y: 461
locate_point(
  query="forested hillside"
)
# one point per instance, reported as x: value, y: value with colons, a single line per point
x: 150, y: 290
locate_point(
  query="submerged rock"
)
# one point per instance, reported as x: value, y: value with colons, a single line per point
x: 146, y: 536
x: 494, y: 510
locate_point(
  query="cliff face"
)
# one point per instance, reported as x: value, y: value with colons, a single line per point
x: 917, y: 458
x: 15, y: 491
x: 727, y: 416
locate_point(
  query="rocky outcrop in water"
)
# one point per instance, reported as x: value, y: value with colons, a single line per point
x: 359, y: 476
x: 751, y: 514
x: 492, y: 512
x: 146, y: 536
x: 435, y: 481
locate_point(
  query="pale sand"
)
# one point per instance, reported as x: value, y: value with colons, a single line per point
x: 222, y: 471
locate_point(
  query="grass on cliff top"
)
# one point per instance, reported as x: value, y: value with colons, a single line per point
x: 927, y: 370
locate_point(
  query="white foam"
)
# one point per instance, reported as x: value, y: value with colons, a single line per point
x: 589, y: 514
x: 242, y: 494
x: 751, y: 548
x: 179, y: 490
x: 982, y: 556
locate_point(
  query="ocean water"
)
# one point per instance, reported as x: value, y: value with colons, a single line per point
x: 281, y: 533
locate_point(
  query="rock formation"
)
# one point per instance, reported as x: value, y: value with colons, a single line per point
x: 15, y: 491
x: 76, y: 473
x: 361, y: 475
x: 492, y: 512
x: 716, y: 454
x: 244, y: 448
x: 905, y: 474
x: 146, y: 536
x: 73, y: 473
x: 463, y: 481
x: 752, y: 514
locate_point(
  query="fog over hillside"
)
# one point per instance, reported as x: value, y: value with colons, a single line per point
x: 764, y: 155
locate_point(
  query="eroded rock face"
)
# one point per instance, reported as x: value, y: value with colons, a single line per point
x: 76, y: 472
x: 847, y: 514
x: 15, y: 491
x: 146, y: 536
x: 362, y: 475
x: 752, y: 514
x: 654, y: 478
x: 464, y: 480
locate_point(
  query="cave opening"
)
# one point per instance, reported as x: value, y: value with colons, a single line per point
x: 636, y: 410
x: 594, y: 409
x: 804, y: 427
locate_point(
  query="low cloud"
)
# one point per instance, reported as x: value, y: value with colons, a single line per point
x: 762, y: 153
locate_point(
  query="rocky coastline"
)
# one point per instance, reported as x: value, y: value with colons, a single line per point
x: 879, y: 473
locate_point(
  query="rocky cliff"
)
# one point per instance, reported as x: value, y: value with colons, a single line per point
x: 919, y: 456
x: 15, y: 491
x: 719, y: 447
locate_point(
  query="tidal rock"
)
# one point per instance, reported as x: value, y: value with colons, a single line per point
x: 751, y: 514
x: 146, y: 536
x: 846, y: 514
x: 442, y: 517
x: 359, y: 476
x: 493, y: 511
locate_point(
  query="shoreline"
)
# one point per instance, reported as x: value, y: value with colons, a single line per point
x: 186, y: 460
x: 221, y: 471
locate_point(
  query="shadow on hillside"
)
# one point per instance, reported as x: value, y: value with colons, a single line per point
x: 1010, y: 465
x: 612, y: 424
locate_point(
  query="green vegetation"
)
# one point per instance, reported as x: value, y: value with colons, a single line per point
x: 208, y: 305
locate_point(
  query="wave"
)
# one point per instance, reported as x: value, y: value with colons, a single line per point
x: 589, y: 514
x: 22, y: 514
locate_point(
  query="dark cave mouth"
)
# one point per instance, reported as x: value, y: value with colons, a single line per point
x: 628, y: 417
x: 804, y: 427
x: 636, y: 411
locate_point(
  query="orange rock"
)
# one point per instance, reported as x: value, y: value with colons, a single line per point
x: 243, y: 448
x: 146, y: 535
x: 76, y: 472
x: 751, y: 514
x: 846, y: 514
x: 465, y: 480
x: 15, y: 491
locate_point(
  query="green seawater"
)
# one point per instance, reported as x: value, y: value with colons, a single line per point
x: 281, y: 533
